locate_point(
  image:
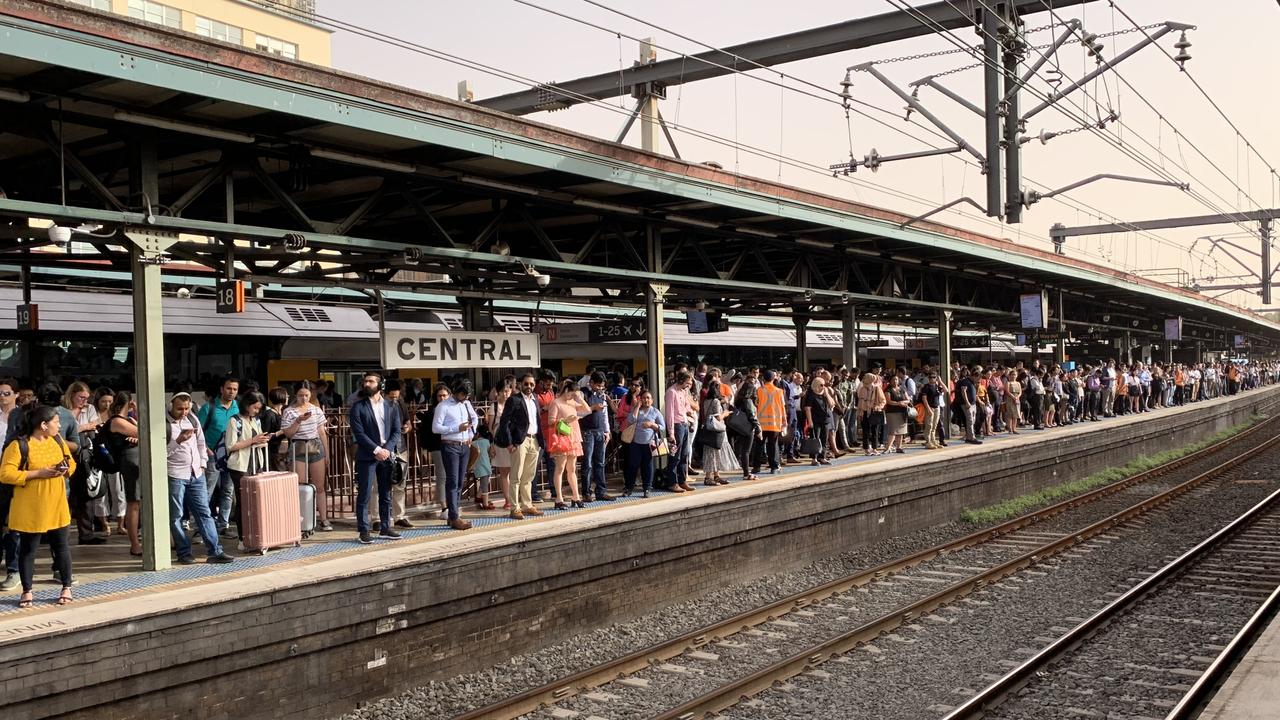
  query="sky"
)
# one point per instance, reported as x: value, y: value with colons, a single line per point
x: 799, y: 117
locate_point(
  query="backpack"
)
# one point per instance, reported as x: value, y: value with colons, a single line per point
x: 220, y: 451
x: 24, y: 450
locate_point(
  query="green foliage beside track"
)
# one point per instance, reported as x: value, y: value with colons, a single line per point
x: 1024, y: 504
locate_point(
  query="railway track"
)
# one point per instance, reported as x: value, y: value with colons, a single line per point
x: 758, y: 646
x: 1138, y: 651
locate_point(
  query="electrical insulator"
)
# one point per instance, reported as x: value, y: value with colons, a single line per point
x: 1183, y: 56
x: 845, y: 84
x: 915, y: 95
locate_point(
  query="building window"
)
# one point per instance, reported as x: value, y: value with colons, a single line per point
x: 95, y: 4
x: 154, y: 12
x: 219, y: 30
x: 282, y: 48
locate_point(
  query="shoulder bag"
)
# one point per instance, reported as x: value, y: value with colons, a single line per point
x: 738, y: 423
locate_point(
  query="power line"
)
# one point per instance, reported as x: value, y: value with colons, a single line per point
x: 1086, y: 124
x: 1178, y: 133
x: 1203, y: 92
x: 736, y: 57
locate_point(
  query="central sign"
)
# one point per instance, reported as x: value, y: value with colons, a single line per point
x: 409, y: 349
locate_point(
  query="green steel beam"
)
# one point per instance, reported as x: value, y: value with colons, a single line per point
x: 77, y: 215
x: 80, y: 51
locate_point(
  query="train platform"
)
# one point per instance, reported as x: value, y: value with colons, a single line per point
x: 1252, y: 691
x: 103, y: 572
x: 438, y: 602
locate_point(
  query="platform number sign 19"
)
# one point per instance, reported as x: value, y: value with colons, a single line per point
x: 230, y: 296
x: 28, y: 315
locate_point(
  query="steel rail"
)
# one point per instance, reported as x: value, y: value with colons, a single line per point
x: 729, y: 694
x: 995, y: 693
x: 1198, y: 697
x: 570, y: 685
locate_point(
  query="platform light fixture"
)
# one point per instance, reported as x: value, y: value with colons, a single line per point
x: 17, y: 96
x: 184, y: 127
x: 375, y: 163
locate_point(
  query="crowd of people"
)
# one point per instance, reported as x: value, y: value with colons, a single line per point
x: 71, y: 456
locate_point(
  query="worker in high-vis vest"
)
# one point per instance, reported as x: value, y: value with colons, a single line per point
x: 772, y: 414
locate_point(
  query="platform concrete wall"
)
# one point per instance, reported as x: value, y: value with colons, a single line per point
x: 320, y: 649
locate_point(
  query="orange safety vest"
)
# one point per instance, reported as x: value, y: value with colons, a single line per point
x: 770, y: 411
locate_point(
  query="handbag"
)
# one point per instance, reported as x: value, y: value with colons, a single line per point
x: 738, y: 423
x: 399, y: 470
x: 564, y: 428
x: 811, y: 446
x: 912, y: 413
x: 629, y: 433
x: 709, y: 438
x: 715, y: 424
x: 661, y: 454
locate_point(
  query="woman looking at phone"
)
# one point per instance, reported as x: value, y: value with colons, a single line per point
x: 246, y: 448
x: 304, y: 424
x: 39, y: 506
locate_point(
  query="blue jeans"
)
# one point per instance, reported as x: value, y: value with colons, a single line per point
x: 678, y: 463
x: 639, y: 458
x: 190, y: 496
x: 365, y: 474
x: 221, y: 493
x: 455, y: 473
x: 593, y: 446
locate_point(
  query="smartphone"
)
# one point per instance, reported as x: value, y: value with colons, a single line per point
x: 64, y: 466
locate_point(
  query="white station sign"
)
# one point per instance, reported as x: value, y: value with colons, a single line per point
x: 408, y: 349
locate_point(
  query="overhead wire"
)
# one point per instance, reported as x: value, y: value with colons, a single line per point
x: 756, y: 64
x: 1178, y: 134
x: 1248, y: 144
x: 1084, y: 123
x: 386, y: 38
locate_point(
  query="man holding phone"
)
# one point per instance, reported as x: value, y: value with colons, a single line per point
x: 187, y: 458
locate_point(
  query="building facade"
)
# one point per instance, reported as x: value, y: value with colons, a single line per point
x: 281, y: 27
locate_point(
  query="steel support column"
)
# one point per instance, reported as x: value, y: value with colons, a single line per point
x: 473, y: 321
x: 1060, y: 347
x: 849, y: 335
x: 802, y: 342
x: 648, y: 110
x: 1264, y: 231
x: 1012, y: 127
x: 991, y: 84
x: 148, y: 343
x: 944, y: 346
x: 655, y: 294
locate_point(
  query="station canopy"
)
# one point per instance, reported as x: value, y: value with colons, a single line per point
x: 301, y: 174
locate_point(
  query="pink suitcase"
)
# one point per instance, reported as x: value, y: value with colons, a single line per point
x: 269, y: 511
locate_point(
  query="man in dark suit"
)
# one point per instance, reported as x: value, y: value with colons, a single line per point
x: 375, y: 426
x: 518, y: 432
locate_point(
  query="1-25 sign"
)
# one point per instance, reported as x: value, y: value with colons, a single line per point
x: 230, y: 296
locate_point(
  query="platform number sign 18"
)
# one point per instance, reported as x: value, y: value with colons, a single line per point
x: 230, y: 296
x: 28, y: 316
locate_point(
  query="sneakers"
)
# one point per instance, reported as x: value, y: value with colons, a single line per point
x: 11, y: 581
x: 220, y: 559
x: 389, y: 534
x: 365, y: 539
x: 186, y: 560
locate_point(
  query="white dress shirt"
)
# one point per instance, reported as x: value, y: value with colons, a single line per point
x: 379, y: 415
x: 531, y: 406
x: 449, y: 417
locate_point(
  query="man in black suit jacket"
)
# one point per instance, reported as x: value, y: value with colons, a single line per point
x: 518, y: 432
x: 375, y: 426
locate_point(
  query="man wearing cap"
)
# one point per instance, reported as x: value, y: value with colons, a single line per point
x: 455, y: 422
x: 376, y: 426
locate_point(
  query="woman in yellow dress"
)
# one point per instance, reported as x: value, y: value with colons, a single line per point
x: 40, y: 497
